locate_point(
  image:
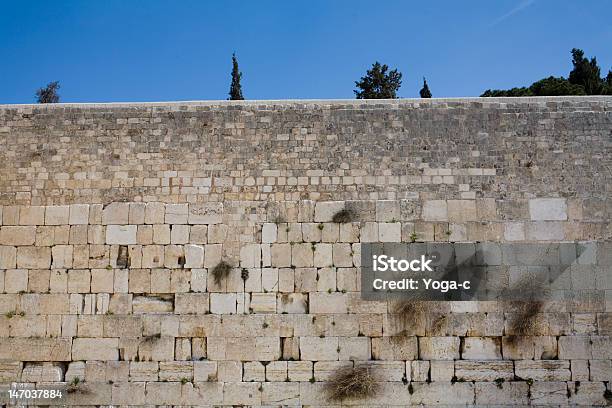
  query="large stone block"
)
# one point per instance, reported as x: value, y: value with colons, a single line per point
x: 435, y: 210
x: 116, y: 213
x: 121, y: 234
x: 439, y: 348
x: 17, y: 236
x: 548, y: 209
x: 33, y: 257
x: 35, y: 349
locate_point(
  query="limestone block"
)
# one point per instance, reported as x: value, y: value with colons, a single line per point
x: 176, y: 370
x: 191, y: 303
x: 206, y: 371
x: 574, y: 347
x: 17, y: 236
x: 33, y: 257
x: 300, y: 370
x: 326, y: 280
x: 265, y: 279
x: 342, y: 255
x: 79, y: 281
x: 179, y: 234
x: 580, y: 370
x: 462, y: 210
x: 198, y: 280
x: 95, y: 349
x: 481, y: 348
x: 276, y: 371
x: 156, y: 348
x: 78, y: 214
x: 155, y: 213
x: 439, y: 348
x: 152, y: 256
x: 419, y: 370
x: 194, y: 256
x: 369, y: 233
x: 42, y: 372
x: 349, y: 232
x: 102, y: 281
x: 355, y: 348
x: 330, y: 232
x: 217, y: 233
x: 484, y: 370
x: 263, y: 302
x: 442, y: 370
x: 510, y: 393
x: 136, y: 213
x: 401, y: 348
x: 223, y: 303
x: 389, y: 370
x: 35, y: 349
x: 229, y: 371
x: 62, y: 256
x: 323, y: 255
x: 207, y: 213
x: 390, y: 232
x: 8, y: 257
x: 176, y: 213
x: 241, y: 393
x: 151, y: 304
x: 198, y: 234
x: 545, y: 231
x: 57, y: 215
x: 32, y: 215
x: 250, y: 256
x: 116, y: 213
x: 600, y: 370
x: 548, y: 209
x: 302, y: 255
x: 292, y: 303
x: 78, y: 234
x: 121, y: 234
x: 281, y: 255
x: 387, y: 210
x: 435, y: 210
x: 144, y: 371
x: 325, y: 210
x: 328, y: 302
x: 174, y: 256
x: 212, y: 255
x: 543, y: 370
x: 319, y: 349
x: 514, y: 231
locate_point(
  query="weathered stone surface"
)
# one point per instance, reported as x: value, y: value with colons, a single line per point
x: 121, y: 234
x: 107, y: 272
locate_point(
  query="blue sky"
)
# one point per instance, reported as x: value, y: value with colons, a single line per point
x: 123, y: 50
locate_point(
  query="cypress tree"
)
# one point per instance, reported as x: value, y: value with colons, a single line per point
x: 235, y: 93
x: 425, y: 92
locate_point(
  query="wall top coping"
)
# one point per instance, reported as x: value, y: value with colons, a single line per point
x: 349, y: 103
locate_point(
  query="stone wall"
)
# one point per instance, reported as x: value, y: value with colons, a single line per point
x: 114, y: 217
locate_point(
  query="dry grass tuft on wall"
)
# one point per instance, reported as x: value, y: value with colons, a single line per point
x: 352, y: 383
x: 221, y: 271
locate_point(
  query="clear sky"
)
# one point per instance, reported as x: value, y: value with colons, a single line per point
x: 127, y: 50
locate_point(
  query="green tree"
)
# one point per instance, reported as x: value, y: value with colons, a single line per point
x: 378, y: 83
x: 584, y: 79
x: 235, y: 92
x: 425, y: 92
x: 585, y: 73
x: 49, y: 93
x: 551, y: 86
